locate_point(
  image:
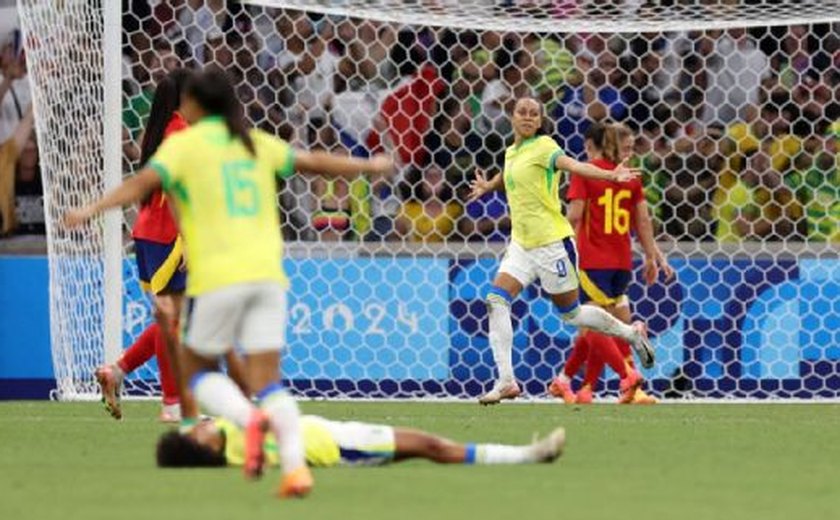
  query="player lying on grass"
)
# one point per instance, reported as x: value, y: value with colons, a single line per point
x: 218, y: 442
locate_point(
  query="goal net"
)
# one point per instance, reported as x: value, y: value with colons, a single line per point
x: 736, y: 108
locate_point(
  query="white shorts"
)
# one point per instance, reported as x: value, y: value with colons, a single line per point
x: 554, y: 264
x: 251, y: 316
x: 359, y: 444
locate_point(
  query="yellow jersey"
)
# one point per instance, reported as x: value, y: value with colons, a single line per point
x: 225, y: 201
x: 325, y: 443
x: 533, y: 193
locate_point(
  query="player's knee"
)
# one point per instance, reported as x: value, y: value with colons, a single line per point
x: 569, y: 313
x: 498, y: 297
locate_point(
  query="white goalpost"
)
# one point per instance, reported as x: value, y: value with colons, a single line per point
x: 736, y: 105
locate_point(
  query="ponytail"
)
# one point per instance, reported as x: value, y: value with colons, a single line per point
x: 213, y: 91
x: 614, y: 134
x: 166, y: 101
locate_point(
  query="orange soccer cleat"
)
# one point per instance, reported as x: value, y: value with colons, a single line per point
x: 562, y: 389
x: 584, y: 395
x: 110, y: 384
x: 296, y: 484
x: 640, y: 397
x: 629, y: 385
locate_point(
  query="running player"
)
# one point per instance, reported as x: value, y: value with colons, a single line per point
x: 542, y: 244
x: 160, y: 263
x: 603, y: 214
x: 221, y: 177
x: 218, y: 442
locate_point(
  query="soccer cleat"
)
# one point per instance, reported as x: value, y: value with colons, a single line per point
x: 642, y: 345
x: 170, y: 413
x: 296, y: 484
x: 562, y: 389
x: 584, y: 395
x: 110, y: 381
x: 640, y: 397
x: 500, y: 392
x: 255, y: 432
x: 550, y: 447
x: 628, y: 386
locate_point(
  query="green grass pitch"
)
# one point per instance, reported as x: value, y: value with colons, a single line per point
x: 69, y: 460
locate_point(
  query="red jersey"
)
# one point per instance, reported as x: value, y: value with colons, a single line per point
x: 603, y: 235
x: 154, y: 220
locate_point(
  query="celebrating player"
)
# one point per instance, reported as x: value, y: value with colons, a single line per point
x: 159, y: 263
x: 603, y: 213
x: 542, y: 244
x: 221, y: 177
x: 217, y: 442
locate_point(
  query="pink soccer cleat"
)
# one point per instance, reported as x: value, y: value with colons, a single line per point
x: 296, y: 484
x: 255, y: 432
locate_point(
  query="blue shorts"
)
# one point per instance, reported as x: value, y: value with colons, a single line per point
x: 604, y: 286
x: 159, y: 266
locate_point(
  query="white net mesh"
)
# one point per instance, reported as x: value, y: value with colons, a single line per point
x: 64, y: 49
x: 737, y: 135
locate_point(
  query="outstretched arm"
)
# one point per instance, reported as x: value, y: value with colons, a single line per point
x: 333, y: 165
x: 482, y: 185
x: 132, y: 190
x: 621, y: 174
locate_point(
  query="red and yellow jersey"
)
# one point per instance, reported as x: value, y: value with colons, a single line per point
x: 154, y: 220
x: 603, y: 235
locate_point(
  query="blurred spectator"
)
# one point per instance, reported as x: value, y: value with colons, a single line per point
x: 734, y: 77
x: 486, y: 219
x: 18, y: 158
x: 430, y: 215
x: 815, y: 180
x: 757, y: 206
x: 16, y: 95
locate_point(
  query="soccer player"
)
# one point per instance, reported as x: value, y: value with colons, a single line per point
x: 221, y: 177
x: 603, y: 214
x: 217, y: 442
x: 542, y: 244
x: 160, y: 266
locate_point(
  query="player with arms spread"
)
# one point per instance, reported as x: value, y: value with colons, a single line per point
x: 603, y: 213
x: 542, y: 244
x: 221, y: 177
x: 218, y: 442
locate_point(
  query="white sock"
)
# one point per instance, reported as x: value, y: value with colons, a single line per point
x: 501, y: 338
x: 598, y: 319
x: 219, y: 395
x: 501, y: 454
x: 283, y: 410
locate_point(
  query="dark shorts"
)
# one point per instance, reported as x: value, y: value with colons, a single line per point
x: 159, y: 266
x: 604, y: 286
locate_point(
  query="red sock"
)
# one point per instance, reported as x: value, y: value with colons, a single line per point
x: 141, y: 351
x: 580, y: 352
x: 168, y: 385
x: 608, y: 352
x: 594, y: 368
x: 624, y: 348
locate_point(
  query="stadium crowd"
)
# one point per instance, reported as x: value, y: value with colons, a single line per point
x: 737, y: 130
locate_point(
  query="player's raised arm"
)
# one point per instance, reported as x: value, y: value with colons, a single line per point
x: 621, y: 174
x: 130, y: 191
x: 334, y: 165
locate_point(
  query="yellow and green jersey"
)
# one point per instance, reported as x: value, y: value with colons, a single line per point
x: 533, y: 193
x: 326, y: 443
x: 225, y: 200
